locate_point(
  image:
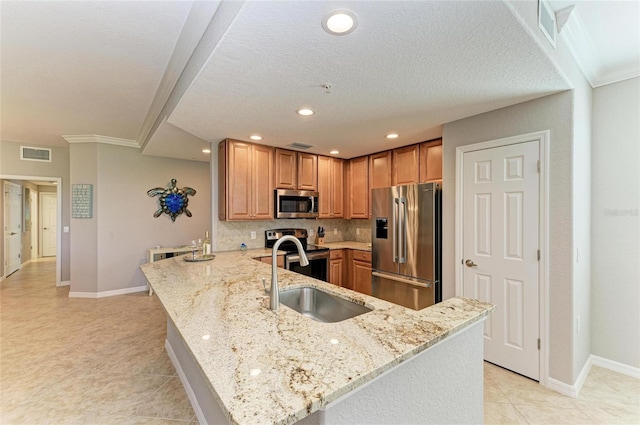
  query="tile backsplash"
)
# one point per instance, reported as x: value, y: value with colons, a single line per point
x: 231, y: 234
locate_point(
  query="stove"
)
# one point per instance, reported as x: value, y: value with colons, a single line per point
x: 318, y: 255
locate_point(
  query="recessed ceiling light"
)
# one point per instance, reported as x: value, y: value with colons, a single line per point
x: 392, y: 136
x: 334, y: 152
x: 306, y: 111
x: 206, y: 150
x: 255, y: 137
x: 339, y: 22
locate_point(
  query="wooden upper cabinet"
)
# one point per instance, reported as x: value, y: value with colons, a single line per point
x: 296, y: 170
x: 405, y: 165
x: 330, y: 187
x: 431, y: 161
x: 286, y: 169
x: 307, y: 171
x: 380, y: 170
x: 245, y: 181
x: 262, y: 181
x: 358, y: 187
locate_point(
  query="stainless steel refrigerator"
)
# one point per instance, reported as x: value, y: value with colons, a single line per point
x: 406, y: 244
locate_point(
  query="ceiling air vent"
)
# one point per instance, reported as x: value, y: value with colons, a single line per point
x: 547, y: 21
x: 35, y: 154
x: 300, y: 146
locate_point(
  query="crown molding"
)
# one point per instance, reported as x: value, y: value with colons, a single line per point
x: 94, y: 138
x: 581, y: 47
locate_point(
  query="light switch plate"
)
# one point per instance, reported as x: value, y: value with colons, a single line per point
x: 335, y: 231
x: 65, y: 229
x: 253, y: 235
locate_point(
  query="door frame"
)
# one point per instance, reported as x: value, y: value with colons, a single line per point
x: 58, y: 180
x: 543, y: 138
x: 4, y: 225
x: 35, y: 206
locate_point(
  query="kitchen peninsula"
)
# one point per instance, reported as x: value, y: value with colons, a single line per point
x: 242, y: 363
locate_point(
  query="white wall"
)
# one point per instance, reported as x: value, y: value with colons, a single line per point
x: 123, y: 227
x: 615, y: 327
x: 554, y: 113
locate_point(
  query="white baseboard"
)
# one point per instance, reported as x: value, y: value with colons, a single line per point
x: 562, y: 388
x: 103, y: 294
x: 574, y: 390
x: 185, y: 383
x: 65, y: 283
x: 622, y: 368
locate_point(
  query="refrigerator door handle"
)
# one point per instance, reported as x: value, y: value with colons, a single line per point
x: 402, y: 280
x: 402, y: 231
x: 396, y: 207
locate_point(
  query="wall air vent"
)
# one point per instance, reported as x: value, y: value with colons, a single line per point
x: 35, y: 154
x: 547, y: 21
x: 300, y: 146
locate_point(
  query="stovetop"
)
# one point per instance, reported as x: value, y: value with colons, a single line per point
x: 271, y: 236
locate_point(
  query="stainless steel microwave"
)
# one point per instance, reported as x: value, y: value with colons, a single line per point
x: 296, y: 203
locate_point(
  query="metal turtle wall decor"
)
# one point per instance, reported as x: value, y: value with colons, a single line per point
x: 173, y: 201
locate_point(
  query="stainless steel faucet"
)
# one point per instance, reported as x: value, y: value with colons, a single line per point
x: 274, y: 295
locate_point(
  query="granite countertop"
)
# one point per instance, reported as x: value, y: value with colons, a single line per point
x: 361, y: 246
x: 278, y: 367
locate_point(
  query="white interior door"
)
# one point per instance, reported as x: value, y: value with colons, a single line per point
x: 12, y: 227
x: 48, y: 223
x: 500, y: 215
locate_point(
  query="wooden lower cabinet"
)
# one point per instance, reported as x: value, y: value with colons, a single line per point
x: 336, y: 267
x: 361, y: 271
x: 267, y: 260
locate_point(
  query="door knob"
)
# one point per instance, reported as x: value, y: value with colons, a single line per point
x: 12, y: 233
x: 470, y: 263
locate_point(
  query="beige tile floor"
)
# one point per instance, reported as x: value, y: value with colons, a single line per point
x: 83, y: 361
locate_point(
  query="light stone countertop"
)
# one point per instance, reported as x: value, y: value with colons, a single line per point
x: 361, y: 246
x: 278, y: 367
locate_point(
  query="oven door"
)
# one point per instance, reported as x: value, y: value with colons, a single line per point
x: 318, y: 265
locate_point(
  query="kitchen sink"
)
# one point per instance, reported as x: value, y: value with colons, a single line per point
x: 320, y: 306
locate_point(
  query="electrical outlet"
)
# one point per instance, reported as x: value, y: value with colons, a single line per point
x: 357, y: 231
x: 253, y: 235
x: 578, y: 255
x: 310, y: 232
x: 335, y: 231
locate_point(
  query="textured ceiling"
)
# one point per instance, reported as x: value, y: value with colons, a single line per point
x: 100, y: 68
x: 408, y: 67
x: 82, y: 67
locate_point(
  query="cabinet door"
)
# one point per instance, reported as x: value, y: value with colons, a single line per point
x: 336, y: 271
x: 359, y: 187
x: 268, y: 260
x: 380, y: 170
x: 361, y: 275
x: 325, y: 186
x: 286, y: 169
x: 337, y: 181
x: 262, y: 184
x: 307, y: 171
x: 239, y: 182
x: 405, y: 165
x: 431, y: 161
